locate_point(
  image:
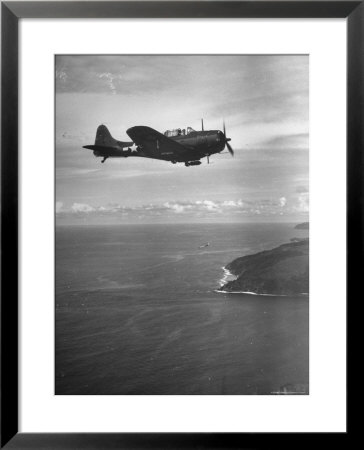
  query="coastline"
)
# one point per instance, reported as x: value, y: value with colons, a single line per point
x: 228, y: 276
x: 219, y: 291
x: 249, y: 293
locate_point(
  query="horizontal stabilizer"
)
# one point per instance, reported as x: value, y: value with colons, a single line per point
x: 100, y: 148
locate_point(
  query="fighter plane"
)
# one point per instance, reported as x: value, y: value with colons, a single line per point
x: 180, y: 145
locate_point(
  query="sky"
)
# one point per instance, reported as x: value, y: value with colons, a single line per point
x: 263, y: 100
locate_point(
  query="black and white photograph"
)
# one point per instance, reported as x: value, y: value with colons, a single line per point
x: 182, y: 224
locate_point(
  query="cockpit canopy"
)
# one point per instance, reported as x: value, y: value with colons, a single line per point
x: 178, y: 132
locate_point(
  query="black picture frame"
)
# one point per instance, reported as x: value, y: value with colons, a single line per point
x: 11, y: 12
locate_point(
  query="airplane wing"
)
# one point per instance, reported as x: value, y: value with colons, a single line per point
x: 154, y: 143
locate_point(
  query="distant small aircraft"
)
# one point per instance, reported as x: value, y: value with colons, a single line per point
x: 204, y: 245
x: 187, y: 146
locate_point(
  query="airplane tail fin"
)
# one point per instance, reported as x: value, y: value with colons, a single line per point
x: 104, y: 138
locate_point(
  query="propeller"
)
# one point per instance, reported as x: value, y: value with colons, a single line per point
x: 202, y: 125
x: 227, y: 140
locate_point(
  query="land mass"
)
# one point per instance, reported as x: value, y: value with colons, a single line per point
x: 284, y: 270
x: 302, y: 226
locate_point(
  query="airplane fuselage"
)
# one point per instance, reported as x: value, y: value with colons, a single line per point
x: 199, y: 144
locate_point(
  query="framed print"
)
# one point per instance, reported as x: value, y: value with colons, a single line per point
x: 180, y: 221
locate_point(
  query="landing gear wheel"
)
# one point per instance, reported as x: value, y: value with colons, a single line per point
x: 187, y: 164
x: 104, y: 160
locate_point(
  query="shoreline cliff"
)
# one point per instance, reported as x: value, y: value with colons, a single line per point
x: 302, y: 226
x: 284, y: 270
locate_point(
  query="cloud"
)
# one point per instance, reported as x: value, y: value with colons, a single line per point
x: 61, y: 76
x: 59, y: 206
x: 110, y: 80
x: 232, y: 203
x: 176, y: 207
x: 187, y: 211
x: 303, y: 203
x: 197, y: 208
x: 82, y: 208
x: 208, y: 205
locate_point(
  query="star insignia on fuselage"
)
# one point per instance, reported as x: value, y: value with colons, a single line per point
x: 133, y: 148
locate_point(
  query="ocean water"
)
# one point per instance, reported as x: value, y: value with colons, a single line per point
x: 137, y: 312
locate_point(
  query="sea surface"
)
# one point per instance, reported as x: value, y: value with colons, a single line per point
x: 137, y: 312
